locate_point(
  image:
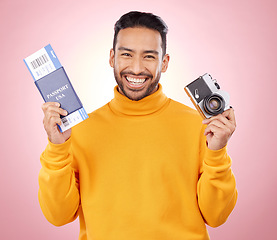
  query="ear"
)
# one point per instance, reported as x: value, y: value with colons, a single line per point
x: 111, y: 60
x: 165, y: 62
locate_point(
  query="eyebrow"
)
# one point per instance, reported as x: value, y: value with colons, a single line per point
x: 152, y: 51
x: 131, y: 50
x: 125, y: 49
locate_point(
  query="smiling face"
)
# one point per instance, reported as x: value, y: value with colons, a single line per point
x: 138, y: 61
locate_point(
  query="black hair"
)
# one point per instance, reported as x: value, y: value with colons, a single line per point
x: 141, y: 19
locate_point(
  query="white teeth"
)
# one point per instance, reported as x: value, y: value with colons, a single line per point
x: 136, y: 80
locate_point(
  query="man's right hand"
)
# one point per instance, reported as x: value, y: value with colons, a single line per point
x: 52, y: 112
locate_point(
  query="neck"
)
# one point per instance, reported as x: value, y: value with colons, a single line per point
x: 148, y: 105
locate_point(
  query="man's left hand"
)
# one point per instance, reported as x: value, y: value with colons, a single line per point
x: 219, y: 129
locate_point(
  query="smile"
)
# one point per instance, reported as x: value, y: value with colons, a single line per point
x: 135, y: 81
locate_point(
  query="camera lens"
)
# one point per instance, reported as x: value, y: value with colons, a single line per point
x: 214, y: 104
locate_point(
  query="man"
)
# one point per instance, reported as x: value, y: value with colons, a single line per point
x: 143, y: 166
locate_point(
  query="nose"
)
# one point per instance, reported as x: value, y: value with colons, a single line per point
x: 137, y: 65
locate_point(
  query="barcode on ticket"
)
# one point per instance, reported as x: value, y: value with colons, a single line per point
x: 42, y: 62
x: 73, y: 119
x: 65, y: 122
x: 39, y: 61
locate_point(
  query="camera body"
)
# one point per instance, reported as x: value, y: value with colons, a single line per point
x: 207, y: 97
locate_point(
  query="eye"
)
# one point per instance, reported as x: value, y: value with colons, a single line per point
x: 126, y: 54
x: 150, y: 56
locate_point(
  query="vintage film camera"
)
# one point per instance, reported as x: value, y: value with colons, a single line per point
x: 207, y: 97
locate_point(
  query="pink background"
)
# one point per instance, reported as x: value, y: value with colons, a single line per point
x: 235, y: 41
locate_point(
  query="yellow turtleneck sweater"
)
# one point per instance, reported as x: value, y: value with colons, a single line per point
x: 138, y: 170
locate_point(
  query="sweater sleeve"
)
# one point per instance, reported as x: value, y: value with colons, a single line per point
x: 217, y: 193
x: 58, y: 184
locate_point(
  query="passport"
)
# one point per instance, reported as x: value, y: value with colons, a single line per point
x: 54, y: 85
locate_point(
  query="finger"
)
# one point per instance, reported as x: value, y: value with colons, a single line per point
x: 222, y: 134
x: 218, y: 117
x: 51, y: 124
x: 62, y: 112
x: 230, y: 115
x: 215, y: 126
x: 227, y: 117
x: 53, y: 106
x: 211, y: 129
x: 51, y: 113
x: 224, y: 124
x: 54, y: 121
x: 50, y: 116
x: 47, y: 104
x: 218, y: 123
x: 225, y: 121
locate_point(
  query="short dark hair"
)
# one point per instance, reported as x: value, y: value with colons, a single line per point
x: 141, y: 19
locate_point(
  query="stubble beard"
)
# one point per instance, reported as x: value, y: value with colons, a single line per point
x: 135, y: 97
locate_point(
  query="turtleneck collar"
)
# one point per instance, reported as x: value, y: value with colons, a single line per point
x: 146, y: 106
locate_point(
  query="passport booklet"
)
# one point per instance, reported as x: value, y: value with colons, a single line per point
x: 55, y: 86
